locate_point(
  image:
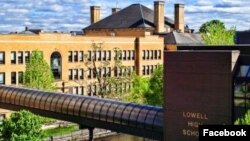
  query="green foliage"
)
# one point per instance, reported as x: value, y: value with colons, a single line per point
x: 204, y: 27
x: 154, y: 95
x: 140, y: 87
x: 60, y: 131
x: 45, y: 120
x: 38, y: 74
x: 244, y: 120
x: 21, y: 126
x: 215, y: 33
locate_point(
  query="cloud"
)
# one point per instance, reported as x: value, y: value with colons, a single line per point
x: 66, y: 15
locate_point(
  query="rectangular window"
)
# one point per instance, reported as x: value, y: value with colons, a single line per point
x: 2, y: 78
x: 109, y: 72
x: 13, y: 78
x: 156, y: 54
x: 80, y: 90
x: 99, y: 55
x: 148, y: 70
x: 75, y: 90
x: 70, y: 55
x: 20, y: 77
x: 104, y: 55
x: 109, y: 55
x: 75, y: 56
x: 116, y: 71
x: 124, y: 54
x: 143, y: 70
x: 129, y: 54
x: 152, y: 54
x: 159, y: 54
x: 89, y: 73
x: 27, y: 56
x: 89, y: 90
x: 2, y: 58
x: 147, y: 57
x: 81, y: 57
x: 70, y: 74
x: 133, y: 55
x: 143, y: 54
x: 89, y: 56
x: 75, y: 73
x: 20, y: 57
x: 104, y: 72
x: 13, y: 57
x: 81, y: 74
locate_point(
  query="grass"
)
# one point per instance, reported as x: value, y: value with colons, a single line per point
x: 60, y: 131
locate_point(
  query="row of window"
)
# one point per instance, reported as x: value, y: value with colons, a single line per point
x: 124, y: 71
x: 77, y: 90
x: 16, y: 57
x: 148, y: 69
x: 94, y: 90
x: 125, y: 55
x: 151, y: 54
x: 16, y: 78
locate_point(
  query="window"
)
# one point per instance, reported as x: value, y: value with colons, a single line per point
x: 27, y: 56
x: 20, y: 77
x: 13, y: 77
x: 89, y: 73
x: 75, y: 56
x: 133, y: 55
x: 148, y: 70
x: 159, y: 54
x: 81, y: 56
x: 104, y: 55
x: 2, y: 58
x: 143, y: 54
x: 147, y: 54
x: 13, y: 57
x: 80, y: 90
x: 81, y: 74
x: 109, y: 55
x: 129, y: 54
x: 89, y: 90
x: 124, y: 54
x: 20, y: 57
x: 116, y: 72
x: 75, y: 90
x: 143, y: 70
x: 70, y: 74
x: 89, y: 56
x: 104, y: 72
x: 99, y: 55
x: 109, y: 71
x: 75, y: 73
x: 2, y: 78
x: 152, y: 54
x: 156, y: 54
x: 70, y: 56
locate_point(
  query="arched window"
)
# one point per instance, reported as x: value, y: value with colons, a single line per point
x: 56, y: 65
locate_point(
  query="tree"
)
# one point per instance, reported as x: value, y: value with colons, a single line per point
x: 244, y: 120
x: 136, y: 94
x: 154, y: 95
x: 215, y: 33
x: 21, y: 126
x: 38, y: 74
x: 108, y: 85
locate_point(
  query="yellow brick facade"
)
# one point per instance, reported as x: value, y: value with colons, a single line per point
x: 64, y: 44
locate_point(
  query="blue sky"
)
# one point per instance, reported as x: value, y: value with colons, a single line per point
x: 68, y: 15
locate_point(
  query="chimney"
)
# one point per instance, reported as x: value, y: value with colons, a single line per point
x: 159, y: 16
x: 179, y: 17
x: 94, y: 14
x: 115, y: 10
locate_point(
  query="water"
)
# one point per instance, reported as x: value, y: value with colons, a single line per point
x: 122, y: 137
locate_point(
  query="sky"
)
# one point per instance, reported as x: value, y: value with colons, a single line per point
x: 73, y: 15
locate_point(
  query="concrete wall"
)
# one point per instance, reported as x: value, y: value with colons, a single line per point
x: 197, y: 90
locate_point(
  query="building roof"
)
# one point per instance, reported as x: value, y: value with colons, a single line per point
x: 133, y: 16
x: 183, y: 38
x: 242, y: 37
